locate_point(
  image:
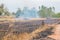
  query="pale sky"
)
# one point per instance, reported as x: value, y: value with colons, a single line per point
x: 12, y: 5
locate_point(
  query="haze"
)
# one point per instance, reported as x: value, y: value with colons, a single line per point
x: 13, y: 5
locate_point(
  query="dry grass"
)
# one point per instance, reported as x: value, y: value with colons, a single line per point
x: 25, y: 36
x: 7, y: 18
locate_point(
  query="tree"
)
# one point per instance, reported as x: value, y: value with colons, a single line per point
x: 57, y: 15
x: 1, y: 9
x: 45, y: 12
x: 4, y: 11
x: 18, y: 12
x: 50, y: 12
x: 33, y: 13
x: 13, y: 13
x: 42, y: 11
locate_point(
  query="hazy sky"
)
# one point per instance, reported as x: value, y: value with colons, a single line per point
x: 12, y: 5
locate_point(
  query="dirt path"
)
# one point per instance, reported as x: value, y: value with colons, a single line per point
x: 56, y: 34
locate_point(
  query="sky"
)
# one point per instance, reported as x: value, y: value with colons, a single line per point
x: 13, y: 5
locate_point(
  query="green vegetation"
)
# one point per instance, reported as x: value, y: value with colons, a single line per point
x: 44, y: 12
x: 57, y: 15
x: 4, y: 11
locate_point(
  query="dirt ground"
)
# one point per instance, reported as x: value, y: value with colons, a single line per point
x: 56, y: 34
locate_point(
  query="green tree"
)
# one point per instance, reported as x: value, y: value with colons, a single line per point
x: 57, y: 15
x: 4, y: 11
x: 13, y: 14
x: 50, y: 12
x: 18, y: 12
x: 45, y: 12
x: 42, y: 11
x: 1, y: 9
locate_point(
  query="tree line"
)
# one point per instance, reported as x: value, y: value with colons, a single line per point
x: 43, y: 12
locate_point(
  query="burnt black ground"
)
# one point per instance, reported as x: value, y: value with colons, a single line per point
x: 21, y: 27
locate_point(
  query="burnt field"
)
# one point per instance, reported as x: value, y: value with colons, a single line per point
x: 19, y: 27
